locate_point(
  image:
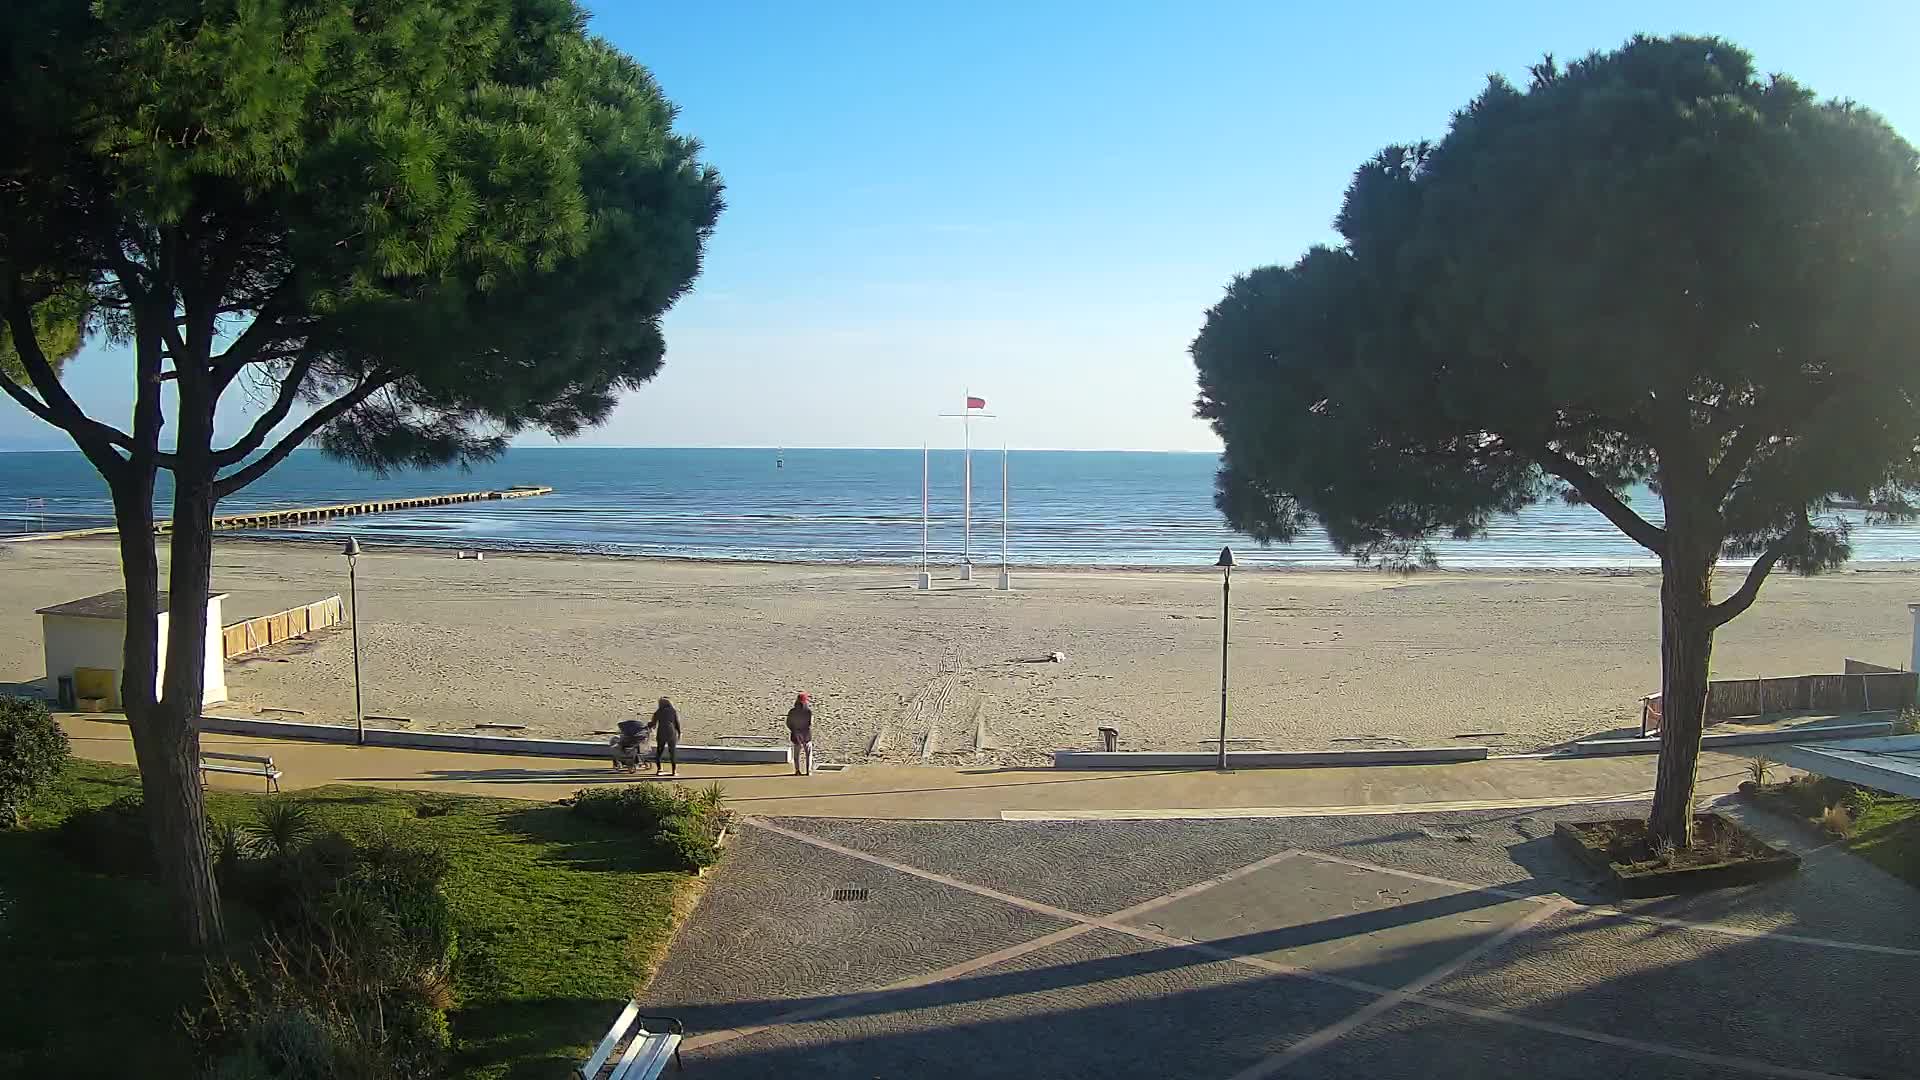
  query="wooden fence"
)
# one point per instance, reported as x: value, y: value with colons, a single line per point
x: 242, y: 638
x: 1863, y: 688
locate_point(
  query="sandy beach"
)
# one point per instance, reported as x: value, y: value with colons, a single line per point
x: 570, y: 644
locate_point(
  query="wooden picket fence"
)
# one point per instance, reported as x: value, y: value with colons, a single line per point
x: 241, y: 638
x: 1863, y: 687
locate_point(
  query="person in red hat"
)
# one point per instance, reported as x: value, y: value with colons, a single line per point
x: 800, y: 729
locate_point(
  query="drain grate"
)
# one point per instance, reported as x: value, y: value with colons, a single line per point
x: 849, y: 894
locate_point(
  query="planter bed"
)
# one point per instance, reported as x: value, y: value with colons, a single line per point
x: 1723, y: 854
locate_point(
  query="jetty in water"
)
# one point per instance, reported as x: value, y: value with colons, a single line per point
x: 301, y: 515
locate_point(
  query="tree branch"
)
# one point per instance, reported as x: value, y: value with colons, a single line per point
x: 1742, y: 599
x: 267, y: 421
x: 97, y: 440
x: 1746, y: 442
x: 1600, y: 497
x: 316, y: 420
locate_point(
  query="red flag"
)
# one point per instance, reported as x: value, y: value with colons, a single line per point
x: 976, y: 403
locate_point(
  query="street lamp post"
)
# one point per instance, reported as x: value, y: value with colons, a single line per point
x: 1225, y: 562
x: 352, y: 552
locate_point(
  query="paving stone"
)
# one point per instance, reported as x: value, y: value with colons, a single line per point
x: 1791, y: 1004
x: 1099, y: 1007
x: 768, y: 937
x: 1359, y: 924
x: 1412, y: 1042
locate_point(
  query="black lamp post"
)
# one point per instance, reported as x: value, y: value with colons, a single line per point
x: 352, y: 552
x: 1225, y: 562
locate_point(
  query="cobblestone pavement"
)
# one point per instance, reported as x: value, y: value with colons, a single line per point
x: 1426, y: 946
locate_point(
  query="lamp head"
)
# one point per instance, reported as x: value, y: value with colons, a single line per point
x: 352, y: 550
x: 1226, y: 557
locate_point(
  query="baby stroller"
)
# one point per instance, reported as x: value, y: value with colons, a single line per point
x: 628, y: 746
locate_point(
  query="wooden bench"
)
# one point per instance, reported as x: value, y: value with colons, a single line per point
x: 244, y: 764
x: 641, y: 1054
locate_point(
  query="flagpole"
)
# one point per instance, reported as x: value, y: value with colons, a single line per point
x: 1006, y: 577
x: 966, y: 499
x: 925, y: 580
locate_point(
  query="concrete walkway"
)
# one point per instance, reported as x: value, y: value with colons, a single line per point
x: 894, y: 791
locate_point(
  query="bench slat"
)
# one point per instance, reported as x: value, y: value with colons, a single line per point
x: 236, y: 757
x: 646, y: 1057
x: 591, y: 1070
x: 241, y: 769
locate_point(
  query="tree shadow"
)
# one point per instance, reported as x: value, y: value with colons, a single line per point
x: 583, y: 844
x: 534, y: 1039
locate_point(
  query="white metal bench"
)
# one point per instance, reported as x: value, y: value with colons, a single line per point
x: 633, y: 1052
x: 244, y: 764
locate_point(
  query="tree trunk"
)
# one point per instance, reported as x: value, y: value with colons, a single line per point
x: 1686, y: 653
x: 166, y: 743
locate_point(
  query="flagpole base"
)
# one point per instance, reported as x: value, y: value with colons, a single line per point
x: 1006, y: 582
x: 966, y: 571
x: 923, y: 582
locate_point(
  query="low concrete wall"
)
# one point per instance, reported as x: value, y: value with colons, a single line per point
x: 1597, y: 747
x: 595, y: 750
x: 1263, y: 759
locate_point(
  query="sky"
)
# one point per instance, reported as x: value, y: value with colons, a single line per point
x: 1037, y: 203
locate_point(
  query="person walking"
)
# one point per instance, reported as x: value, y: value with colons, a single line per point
x: 666, y: 736
x: 800, y: 730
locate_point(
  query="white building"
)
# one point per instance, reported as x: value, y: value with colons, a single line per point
x: 91, y: 633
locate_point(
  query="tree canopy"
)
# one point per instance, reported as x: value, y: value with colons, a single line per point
x: 1649, y: 266
x: 423, y: 225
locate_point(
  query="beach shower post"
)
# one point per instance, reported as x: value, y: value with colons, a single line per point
x: 1225, y: 562
x: 925, y: 581
x: 352, y: 552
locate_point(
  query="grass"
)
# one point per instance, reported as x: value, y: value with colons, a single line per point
x: 1886, y: 832
x: 559, y: 919
x: 1889, y: 837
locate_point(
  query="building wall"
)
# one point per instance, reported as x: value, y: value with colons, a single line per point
x: 98, y: 643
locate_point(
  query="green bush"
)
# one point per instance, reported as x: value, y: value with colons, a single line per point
x: 1860, y: 802
x: 281, y: 829
x: 353, y: 980
x: 688, y: 841
x: 33, y: 750
x: 682, y: 826
x: 640, y: 807
x: 110, y: 839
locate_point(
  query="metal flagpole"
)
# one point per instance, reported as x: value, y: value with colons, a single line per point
x: 966, y: 417
x: 966, y: 499
x: 925, y: 580
x: 1006, y: 578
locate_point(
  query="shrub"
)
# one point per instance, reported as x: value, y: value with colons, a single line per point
x: 354, y: 979
x: 1759, y: 769
x: 640, y: 807
x: 33, y: 750
x: 687, y: 841
x: 1837, y: 821
x: 281, y: 829
x: 683, y: 827
x: 1860, y: 802
x: 1908, y: 722
x: 110, y: 839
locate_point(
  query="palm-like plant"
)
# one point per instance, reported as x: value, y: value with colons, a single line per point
x: 282, y: 828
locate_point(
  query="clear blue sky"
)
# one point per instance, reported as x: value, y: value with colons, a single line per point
x: 1039, y: 201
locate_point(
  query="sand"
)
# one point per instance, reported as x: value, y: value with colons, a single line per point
x: 569, y: 645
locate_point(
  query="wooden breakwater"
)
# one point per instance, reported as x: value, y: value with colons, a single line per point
x: 302, y: 515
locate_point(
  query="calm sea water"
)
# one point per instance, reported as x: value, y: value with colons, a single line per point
x: 1069, y: 508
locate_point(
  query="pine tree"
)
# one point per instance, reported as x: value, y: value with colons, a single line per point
x: 412, y: 228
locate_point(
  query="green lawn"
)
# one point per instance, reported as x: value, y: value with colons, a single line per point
x: 1889, y: 837
x: 556, y: 917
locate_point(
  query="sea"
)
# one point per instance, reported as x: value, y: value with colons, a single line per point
x: 1064, y: 508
